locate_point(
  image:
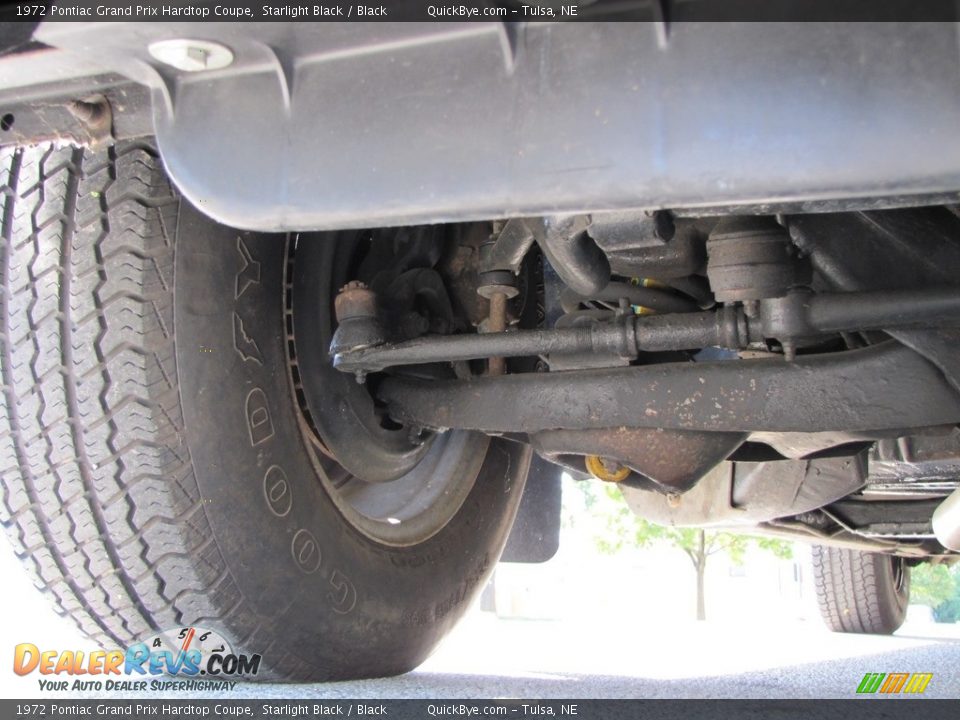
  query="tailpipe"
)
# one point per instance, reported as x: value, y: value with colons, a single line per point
x: 946, y: 522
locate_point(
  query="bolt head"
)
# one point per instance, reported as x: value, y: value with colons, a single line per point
x: 191, y: 55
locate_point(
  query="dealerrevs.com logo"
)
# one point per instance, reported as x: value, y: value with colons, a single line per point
x: 191, y: 658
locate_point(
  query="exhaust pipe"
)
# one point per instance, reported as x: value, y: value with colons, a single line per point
x: 946, y: 522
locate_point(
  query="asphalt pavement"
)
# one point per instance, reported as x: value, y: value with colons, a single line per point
x: 586, y: 655
x: 492, y: 658
x: 610, y: 658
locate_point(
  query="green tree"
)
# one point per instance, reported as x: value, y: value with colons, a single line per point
x: 621, y: 528
x: 948, y: 611
x: 931, y: 585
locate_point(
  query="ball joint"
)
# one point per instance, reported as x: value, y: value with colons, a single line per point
x: 358, y: 325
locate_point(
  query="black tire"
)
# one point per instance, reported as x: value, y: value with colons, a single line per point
x: 860, y: 592
x: 141, y: 437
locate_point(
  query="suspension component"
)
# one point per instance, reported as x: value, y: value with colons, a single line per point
x: 500, y: 261
x: 623, y: 338
x: 497, y: 323
x: 799, y: 314
x: 751, y: 258
x: 358, y: 323
x: 854, y: 390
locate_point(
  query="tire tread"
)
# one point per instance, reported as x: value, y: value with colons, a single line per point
x: 98, y: 494
x: 855, y: 591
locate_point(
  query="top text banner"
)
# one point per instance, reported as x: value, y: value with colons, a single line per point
x: 663, y: 11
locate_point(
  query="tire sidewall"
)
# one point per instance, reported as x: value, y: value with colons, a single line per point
x: 897, y: 600
x: 324, y: 596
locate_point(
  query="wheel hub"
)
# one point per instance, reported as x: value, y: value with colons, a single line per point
x: 397, y: 484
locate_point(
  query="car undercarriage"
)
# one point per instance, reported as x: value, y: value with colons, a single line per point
x: 820, y: 370
x: 714, y: 264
